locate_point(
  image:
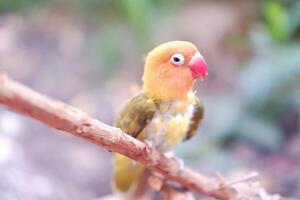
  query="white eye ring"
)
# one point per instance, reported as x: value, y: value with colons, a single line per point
x: 177, y: 59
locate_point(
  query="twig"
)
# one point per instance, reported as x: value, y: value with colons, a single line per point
x: 252, y: 177
x: 141, y: 189
x: 171, y: 193
x: 168, y: 191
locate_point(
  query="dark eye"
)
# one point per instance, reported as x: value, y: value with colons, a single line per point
x: 177, y: 59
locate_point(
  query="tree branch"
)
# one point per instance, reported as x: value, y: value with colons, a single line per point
x: 69, y: 119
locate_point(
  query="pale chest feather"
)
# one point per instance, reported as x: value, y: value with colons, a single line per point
x: 169, y: 124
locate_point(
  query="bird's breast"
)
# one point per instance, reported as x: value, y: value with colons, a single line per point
x: 169, y: 124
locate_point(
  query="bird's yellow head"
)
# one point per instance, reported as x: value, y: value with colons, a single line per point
x: 171, y: 70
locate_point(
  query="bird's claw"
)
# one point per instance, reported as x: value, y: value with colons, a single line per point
x: 180, y: 163
x: 128, y: 137
x: 120, y: 135
x: 149, y: 143
x: 176, y: 159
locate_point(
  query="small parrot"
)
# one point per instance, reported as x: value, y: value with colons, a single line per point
x: 166, y: 110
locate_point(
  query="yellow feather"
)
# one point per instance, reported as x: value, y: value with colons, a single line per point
x: 126, y: 172
x: 176, y: 130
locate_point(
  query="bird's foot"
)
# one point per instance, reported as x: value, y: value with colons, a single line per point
x: 150, y: 149
x: 176, y: 159
x: 149, y: 143
x: 126, y: 136
x: 121, y: 134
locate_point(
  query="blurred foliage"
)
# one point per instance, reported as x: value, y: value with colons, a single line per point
x: 7, y: 5
x: 267, y: 87
x: 269, y: 80
x: 277, y: 19
x: 282, y: 18
x: 141, y: 15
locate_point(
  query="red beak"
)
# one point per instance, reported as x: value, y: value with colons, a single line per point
x: 198, y: 66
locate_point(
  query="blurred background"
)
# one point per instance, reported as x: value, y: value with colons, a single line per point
x: 90, y: 54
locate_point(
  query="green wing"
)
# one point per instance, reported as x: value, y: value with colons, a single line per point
x: 196, y: 118
x: 136, y: 115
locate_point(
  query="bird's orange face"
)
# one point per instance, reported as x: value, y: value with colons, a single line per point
x: 171, y: 70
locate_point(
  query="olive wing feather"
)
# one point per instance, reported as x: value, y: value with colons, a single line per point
x: 195, y: 122
x: 136, y: 115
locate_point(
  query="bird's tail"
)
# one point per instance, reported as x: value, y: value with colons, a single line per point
x: 126, y: 172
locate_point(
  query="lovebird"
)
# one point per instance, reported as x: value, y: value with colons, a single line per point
x: 166, y: 111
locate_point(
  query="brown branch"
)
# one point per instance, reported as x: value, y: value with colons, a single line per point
x: 69, y: 119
